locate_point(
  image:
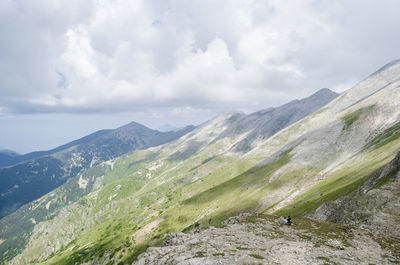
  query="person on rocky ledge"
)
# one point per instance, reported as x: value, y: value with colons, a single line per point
x: 287, y: 220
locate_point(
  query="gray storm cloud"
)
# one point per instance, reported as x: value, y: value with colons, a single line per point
x: 111, y: 56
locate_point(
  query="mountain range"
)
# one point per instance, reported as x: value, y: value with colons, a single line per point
x: 46, y: 170
x: 328, y: 157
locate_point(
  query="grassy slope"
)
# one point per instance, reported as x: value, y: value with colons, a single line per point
x: 142, y: 200
x: 352, y: 173
x: 166, y: 197
x: 147, y: 195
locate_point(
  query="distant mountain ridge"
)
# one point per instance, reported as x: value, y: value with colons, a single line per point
x: 7, y: 157
x: 254, y: 127
x: 266, y: 123
x: 35, y: 154
x: 167, y: 127
x: 24, y: 182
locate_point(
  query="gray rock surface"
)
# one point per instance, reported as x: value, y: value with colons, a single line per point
x: 263, y: 240
x: 374, y: 206
x: 265, y: 123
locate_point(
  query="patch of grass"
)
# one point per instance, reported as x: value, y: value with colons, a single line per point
x: 327, y: 260
x: 256, y: 256
x: 391, y: 244
x: 199, y: 254
x: 192, y: 148
x: 242, y: 248
x: 218, y: 254
x: 253, y: 219
x: 387, y: 179
x: 272, y: 206
x: 350, y: 175
x: 205, y: 161
x: 291, y: 178
x: 253, y: 177
x: 139, y: 249
x: 389, y: 135
x: 191, y: 227
x: 326, y: 191
x: 351, y: 117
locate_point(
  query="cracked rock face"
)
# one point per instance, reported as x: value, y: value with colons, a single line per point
x: 262, y: 239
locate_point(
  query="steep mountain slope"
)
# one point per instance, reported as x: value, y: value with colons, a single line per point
x: 206, y: 152
x: 267, y: 122
x: 363, y: 228
x: 203, y: 178
x: 339, y: 157
x: 374, y: 206
x: 28, y: 181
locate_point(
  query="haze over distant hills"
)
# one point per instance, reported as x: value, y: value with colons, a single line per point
x: 167, y: 127
x: 7, y: 157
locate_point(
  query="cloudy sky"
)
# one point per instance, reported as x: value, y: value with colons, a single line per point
x: 70, y: 67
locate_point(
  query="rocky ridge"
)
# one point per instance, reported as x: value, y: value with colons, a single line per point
x: 262, y: 239
x: 27, y: 181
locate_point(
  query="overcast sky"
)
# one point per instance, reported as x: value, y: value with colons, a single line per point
x: 68, y: 68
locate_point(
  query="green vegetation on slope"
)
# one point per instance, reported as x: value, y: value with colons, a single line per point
x: 165, y: 203
x: 173, y: 205
x: 352, y: 117
x: 17, y: 227
x: 147, y: 192
x: 389, y: 135
x: 254, y: 177
x: 350, y: 176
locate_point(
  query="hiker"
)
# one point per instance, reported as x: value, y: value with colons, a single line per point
x: 289, y: 221
x: 284, y: 220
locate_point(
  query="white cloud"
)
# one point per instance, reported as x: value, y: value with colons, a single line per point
x: 112, y: 56
x: 79, y: 53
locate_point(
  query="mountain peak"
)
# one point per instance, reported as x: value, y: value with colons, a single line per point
x: 324, y: 91
x: 226, y: 116
x: 324, y: 94
x: 133, y: 124
x: 131, y: 129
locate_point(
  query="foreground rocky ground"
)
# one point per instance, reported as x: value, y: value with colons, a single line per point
x: 261, y: 239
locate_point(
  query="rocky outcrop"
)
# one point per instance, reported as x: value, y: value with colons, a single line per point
x: 372, y: 205
x: 263, y: 240
x: 375, y: 206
